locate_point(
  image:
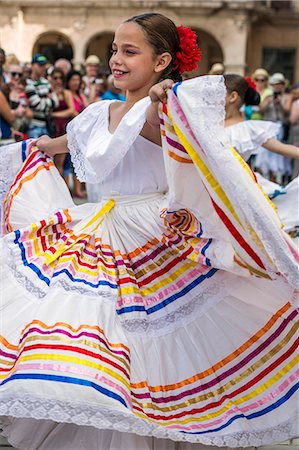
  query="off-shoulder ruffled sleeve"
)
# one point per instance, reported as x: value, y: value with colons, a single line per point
x: 248, y: 136
x: 94, y: 151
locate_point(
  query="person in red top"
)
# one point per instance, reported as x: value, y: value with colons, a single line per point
x: 63, y: 113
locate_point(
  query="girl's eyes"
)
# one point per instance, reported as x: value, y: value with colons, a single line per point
x: 128, y: 52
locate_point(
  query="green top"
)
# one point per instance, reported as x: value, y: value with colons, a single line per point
x: 256, y: 114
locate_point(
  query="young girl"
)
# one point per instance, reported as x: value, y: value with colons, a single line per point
x: 161, y: 317
x: 248, y: 137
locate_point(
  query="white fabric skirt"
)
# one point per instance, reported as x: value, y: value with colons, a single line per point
x: 122, y: 328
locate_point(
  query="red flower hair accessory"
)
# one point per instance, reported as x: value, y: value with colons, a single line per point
x: 189, y: 54
x: 251, y: 83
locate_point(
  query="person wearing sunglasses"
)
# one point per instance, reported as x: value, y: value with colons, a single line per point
x: 261, y: 79
x: 19, y: 102
x: 61, y: 115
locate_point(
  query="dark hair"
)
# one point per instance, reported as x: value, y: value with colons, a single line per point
x: 163, y: 36
x: 247, y: 94
x: 60, y: 71
x: 72, y: 73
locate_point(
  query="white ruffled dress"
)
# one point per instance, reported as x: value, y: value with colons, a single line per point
x: 247, y: 138
x: 266, y: 162
x: 162, y: 317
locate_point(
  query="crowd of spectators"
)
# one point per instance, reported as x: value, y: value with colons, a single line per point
x: 41, y: 98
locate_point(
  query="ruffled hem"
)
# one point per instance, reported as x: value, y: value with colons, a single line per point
x: 104, y: 418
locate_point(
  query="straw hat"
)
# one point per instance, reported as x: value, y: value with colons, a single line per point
x: 92, y: 60
x: 260, y: 73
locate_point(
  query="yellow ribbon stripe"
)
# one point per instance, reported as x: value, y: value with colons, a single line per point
x: 50, y: 258
x: 204, y: 169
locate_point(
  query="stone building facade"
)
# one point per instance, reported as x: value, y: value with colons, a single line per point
x: 242, y: 34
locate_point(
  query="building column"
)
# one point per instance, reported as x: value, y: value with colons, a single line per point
x: 235, y: 55
x: 79, y: 28
x: 79, y: 54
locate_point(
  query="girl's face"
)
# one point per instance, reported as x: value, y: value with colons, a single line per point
x: 133, y: 63
x: 75, y: 83
x: 57, y: 79
x: 15, y: 72
x: 261, y: 83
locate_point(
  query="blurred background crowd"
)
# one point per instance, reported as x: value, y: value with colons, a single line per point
x: 41, y: 98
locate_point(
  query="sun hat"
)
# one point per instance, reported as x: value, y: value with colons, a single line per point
x: 216, y: 68
x: 260, y: 73
x: 92, y: 60
x: 277, y: 78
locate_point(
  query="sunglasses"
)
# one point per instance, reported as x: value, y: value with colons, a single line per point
x: 16, y: 74
x: 260, y: 80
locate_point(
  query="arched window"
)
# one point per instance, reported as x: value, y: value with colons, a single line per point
x: 100, y: 45
x: 211, y: 51
x: 54, y: 45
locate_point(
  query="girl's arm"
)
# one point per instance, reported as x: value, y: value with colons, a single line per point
x: 70, y: 111
x: 294, y: 114
x: 287, y: 104
x: 291, y: 151
x: 5, y: 110
x: 157, y: 93
x: 52, y: 146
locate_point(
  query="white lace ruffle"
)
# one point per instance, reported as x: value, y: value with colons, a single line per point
x: 190, y: 310
x: 78, y: 132
x: 10, y: 163
x: 40, y: 408
x: 193, y: 307
x: 207, y: 101
x: 94, y: 151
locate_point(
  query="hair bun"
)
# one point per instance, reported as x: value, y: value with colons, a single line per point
x: 252, y: 97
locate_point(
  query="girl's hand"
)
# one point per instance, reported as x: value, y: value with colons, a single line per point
x: 158, y: 92
x: 43, y: 144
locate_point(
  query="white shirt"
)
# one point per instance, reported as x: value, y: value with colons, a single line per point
x: 122, y: 163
